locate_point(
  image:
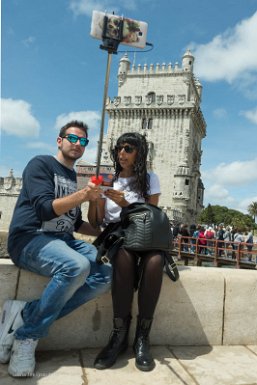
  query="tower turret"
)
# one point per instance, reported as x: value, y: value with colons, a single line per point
x: 188, y: 61
x: 124, y: 67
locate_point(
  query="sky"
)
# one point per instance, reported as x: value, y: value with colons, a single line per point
x: 53, y: 71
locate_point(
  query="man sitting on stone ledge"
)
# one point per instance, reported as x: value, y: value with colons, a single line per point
x: 41, y: 240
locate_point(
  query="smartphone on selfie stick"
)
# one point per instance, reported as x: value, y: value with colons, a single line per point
x: 113, y: 30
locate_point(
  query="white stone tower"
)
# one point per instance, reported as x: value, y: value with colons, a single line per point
x: 163, y: 103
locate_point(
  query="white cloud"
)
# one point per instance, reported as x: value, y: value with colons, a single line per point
x: 251, y: 115
x: 227, y: 181
x: 244, y: 203
x: 218, y: 195
x: 229, y: 55
x: 41, y: 146
x: 236, y: 173
x: 85, y: 7
x: 93, y: 120
x: 17, y: 118
x: 217, y: 192
x: 247, y: 84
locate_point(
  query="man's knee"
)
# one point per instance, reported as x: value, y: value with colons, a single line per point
x: 76, y: 270
x: 82, y: 268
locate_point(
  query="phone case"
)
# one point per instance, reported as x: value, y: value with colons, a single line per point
x: 107, y: 182
x: 134, y: 31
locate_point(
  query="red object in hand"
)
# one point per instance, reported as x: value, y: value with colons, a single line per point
x: 97, y: 179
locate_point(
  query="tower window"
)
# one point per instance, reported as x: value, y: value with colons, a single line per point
x: 187, y: 182
x: 147, y: 123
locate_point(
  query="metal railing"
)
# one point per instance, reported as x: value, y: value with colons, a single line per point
x: 215, y: 251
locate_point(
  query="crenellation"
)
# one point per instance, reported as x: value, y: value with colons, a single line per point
x: 163, y: 69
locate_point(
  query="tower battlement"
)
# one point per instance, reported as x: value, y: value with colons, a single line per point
x: 10, y: 187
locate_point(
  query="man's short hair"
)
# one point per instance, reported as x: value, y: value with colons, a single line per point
x: 74, y: 123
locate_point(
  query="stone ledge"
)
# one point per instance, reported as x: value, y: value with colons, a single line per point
x: 207, y: 306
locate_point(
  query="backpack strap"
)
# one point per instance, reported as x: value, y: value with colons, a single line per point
x: 171, y: 267
x: 108, y: 242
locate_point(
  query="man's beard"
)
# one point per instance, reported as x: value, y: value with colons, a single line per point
x: 71, y: 157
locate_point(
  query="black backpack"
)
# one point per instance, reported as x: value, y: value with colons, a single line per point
x: 143, y: 227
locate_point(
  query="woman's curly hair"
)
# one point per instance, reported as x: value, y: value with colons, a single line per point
x: 141, y: 183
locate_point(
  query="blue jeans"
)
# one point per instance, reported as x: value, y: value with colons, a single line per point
x: 76, y: 278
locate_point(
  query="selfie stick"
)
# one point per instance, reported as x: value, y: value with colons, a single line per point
x: 99, y: 149
x: 110, y: 45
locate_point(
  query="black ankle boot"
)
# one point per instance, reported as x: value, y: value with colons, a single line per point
x: 117, y: 344
x: 144, y: 359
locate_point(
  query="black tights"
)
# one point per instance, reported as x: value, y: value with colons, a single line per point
x: 128, y: 271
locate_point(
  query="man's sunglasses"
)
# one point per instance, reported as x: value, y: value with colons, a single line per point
x: 128, y: 149
x: 74, y: 138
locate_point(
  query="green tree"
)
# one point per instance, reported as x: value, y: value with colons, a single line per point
x: 207, y: 215
x: 252, y: 210
x: 222, y: 214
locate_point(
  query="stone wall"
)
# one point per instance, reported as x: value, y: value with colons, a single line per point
x: 3, y: 244
x: 206, y: 306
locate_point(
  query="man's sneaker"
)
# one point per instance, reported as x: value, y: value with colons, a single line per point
x: 11, y: 320
x: 22, y: 362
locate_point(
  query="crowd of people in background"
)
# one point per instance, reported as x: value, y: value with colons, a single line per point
x: 229, y: 239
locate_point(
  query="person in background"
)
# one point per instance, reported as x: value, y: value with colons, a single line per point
x: 184, y: 237
x: 202, y: 241
x: 41, y: 241
x: 249, y: 244
x: 176, y: 229
x: 209, y: 235
x: 227, y: 240
x: 238, y: 240
x: 233, y: 232
x: 220, y: 238
x: 194, y: 238
x: 192, y: 229
x: 131, y: 271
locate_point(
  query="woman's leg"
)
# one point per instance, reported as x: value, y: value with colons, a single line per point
x: 123, y: 283
x: 151, y: 267
x: 151, y: 274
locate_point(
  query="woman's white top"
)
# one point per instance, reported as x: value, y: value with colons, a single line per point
x: 112, y: 210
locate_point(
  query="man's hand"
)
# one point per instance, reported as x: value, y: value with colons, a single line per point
x: 93, y: 192
x: 89, y: 193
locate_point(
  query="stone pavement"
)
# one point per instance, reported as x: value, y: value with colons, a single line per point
x: 175, y: 365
